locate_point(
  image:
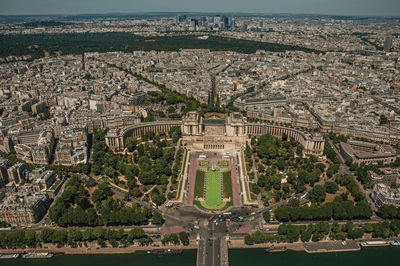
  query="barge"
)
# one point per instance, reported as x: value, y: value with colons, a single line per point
x: 37, y: 255
x: 276, y: 249
x: 9, y: 256
x: 165, y: 252
x: 374, y: 244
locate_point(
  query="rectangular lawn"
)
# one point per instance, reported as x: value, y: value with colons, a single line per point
x: 199, y: 185
x: 213, y: 189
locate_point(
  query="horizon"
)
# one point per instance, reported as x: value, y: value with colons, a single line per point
x: 202, y: 13
x: 358, y: 8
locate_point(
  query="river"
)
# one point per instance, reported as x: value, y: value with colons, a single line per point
x: 237, y: 257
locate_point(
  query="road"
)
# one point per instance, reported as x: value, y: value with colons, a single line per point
x: 211, y: 237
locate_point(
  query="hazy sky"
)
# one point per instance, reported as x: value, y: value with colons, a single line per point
x: 337, y: 7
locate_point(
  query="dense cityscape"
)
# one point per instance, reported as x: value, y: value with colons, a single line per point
x: 176, y: 131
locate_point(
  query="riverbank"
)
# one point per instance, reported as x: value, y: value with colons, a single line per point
x: 239, y: 244
x: 237, y: 257
x: 328, y: 246
x: 364, y: 257
x: 93, y: 248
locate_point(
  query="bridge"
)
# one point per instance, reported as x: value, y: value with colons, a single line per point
x: 213, y: 245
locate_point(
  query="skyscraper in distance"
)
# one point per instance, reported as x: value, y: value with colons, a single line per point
x: 226, y: 23
x: 232, y: 23
x: 388, y: 43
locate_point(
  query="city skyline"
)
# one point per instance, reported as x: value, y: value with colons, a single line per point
x: 340, y: 7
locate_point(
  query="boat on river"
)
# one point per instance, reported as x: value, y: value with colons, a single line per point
x: 166, y: 252
x: 276, y: 249
x: 377, y: 243
x: 9, y: 256
x: 37, y: 255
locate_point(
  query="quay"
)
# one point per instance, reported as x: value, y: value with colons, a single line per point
x: 335, y: 246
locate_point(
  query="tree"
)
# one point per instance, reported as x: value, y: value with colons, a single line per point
x: 389, y: 212
x: 135, y: 233
x: 87, y: 235
x: 172, y: 238
x: 30, y: 238
x: 91, y: 182
x: 157, y: 218
x: 46, y: 235
x: 348, y: 162
x: 84, y: 203
x: 99, y: 232
x: 248, y: 240
x: 267, y: 216
x: 294, y: 202
x: 110, y: 172
x: 74, y: 235
x: 383, y: 119
x: 60, y: 236
x: 84, y: 168
x: 157, y: 198
x: 184, y: 238
x: 317, y: 194
x: 331, y: 187
x: 282, y: 213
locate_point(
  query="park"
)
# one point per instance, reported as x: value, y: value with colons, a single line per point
x: 213, y: 185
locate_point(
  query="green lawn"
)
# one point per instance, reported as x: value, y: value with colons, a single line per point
x: 223, y: 164
x: 56, y: 184
x: 217, y: 207
x: 203, y: 163
x: 199, y: 185
x: 227, y: 184
x: 213, y: 189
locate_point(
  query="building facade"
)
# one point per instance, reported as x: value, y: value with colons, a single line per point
x: 369, y: 153
x: 216, y: 134
x: 23, y: 209
x: 383, y: 194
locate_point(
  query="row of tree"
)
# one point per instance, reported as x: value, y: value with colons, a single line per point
x: 176, y: 239
x: 291, y: 233
x: 21, y: 239
x: 339, y: 209
x: 389, y: 212
x: 317, y: 232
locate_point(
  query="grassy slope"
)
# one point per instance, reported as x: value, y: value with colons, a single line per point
x: 213, y: 193
x: 199, y: 186
x: 227, y: 185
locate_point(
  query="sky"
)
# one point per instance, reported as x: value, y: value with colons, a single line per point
x: 333, y: 7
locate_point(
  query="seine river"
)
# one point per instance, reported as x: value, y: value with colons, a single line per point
x: 238, y: 257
